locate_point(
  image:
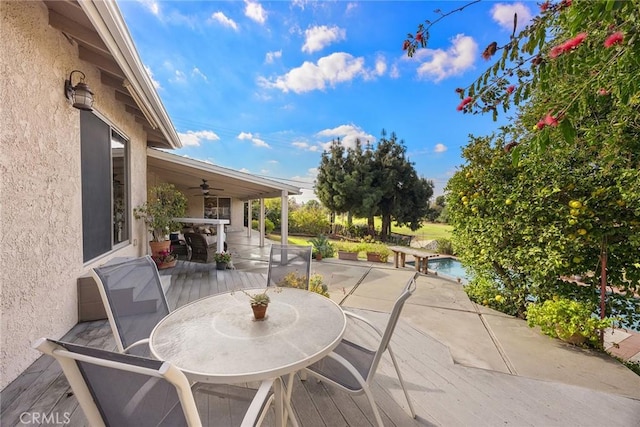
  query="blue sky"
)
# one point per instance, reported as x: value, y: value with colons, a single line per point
x: 264, y: 87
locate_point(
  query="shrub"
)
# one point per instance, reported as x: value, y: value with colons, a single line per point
x: 348, y: 246
x: 444, y: 246
x: 488, y: 292
x: 311, y: 221
x: 293, y: 280
x: 378, y: 248
x: 322, y: 245
x: 564, y: 318
x: 268, y: 225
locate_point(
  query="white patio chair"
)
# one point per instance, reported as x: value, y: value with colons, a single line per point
x: 289, y: 265
x: 351, y: 367
x: 125, y: 390
x: 134, y: 300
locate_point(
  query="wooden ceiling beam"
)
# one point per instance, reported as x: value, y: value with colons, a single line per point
x: 76, y: 31
x: 102, y: 62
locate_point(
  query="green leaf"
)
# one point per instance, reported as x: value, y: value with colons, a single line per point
x: 568, y: 131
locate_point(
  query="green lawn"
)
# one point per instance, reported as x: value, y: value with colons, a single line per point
x: 428, y: 231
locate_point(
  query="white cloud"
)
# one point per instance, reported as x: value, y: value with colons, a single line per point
x: 318, y: 37
x: 351, y: 7
x: 440, y: 148
x: 152, y: 5
x: 254, y: 139
x: 307, y: 147
x: 178, y: 77
x: 347, y: 134
x: 271, y: 56
x: 196, y: 72
x: 224, y: 20
x: 156, y: 84
x: 395, y: 72
x: 453, y: 62
x: 381, y: 65
x: 193, y: 138
x: 255, y: 11
x: 503, y: 14
x: 335, y: 68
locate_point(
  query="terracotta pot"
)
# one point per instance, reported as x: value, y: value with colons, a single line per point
x: 259, y: 311
x: 158, y: 247
x: 373, y: 257
x: 351, y: 256
x: 318, y: 256
x: 169, y: 264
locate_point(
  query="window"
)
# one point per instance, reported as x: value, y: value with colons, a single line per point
x: 105, y: 177
x: 217, y: 208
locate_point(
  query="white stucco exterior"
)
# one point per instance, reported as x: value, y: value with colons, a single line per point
x: 40, y: 188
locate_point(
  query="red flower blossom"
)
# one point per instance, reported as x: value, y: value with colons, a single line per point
x: 511, y: 88
x: 603, y: 92
x: 568, y: 45
x: 544, y: 6
x: 406, y: 45
x: 419, y: 37
x: 549, y: 120
x: 464, y: 102
x: 540, y: 124
x: 566, y: 3
x: 614, y: 39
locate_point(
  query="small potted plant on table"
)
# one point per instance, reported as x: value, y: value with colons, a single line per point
x: 259, y: 303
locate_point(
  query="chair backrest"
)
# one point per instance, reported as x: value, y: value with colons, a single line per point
x: 200, y: 248
x: 290, y: 266
x: 407, y: 291
x: 133, y: 298
x: 115, y: 389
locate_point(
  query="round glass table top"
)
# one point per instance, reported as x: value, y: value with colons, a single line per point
x: 217, y: 340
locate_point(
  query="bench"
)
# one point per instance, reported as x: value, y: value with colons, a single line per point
x: 421, y: 257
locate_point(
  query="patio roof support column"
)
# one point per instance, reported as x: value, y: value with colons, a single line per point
x: 261, y: 222
x: 249, y: 219
x: 284, y: 217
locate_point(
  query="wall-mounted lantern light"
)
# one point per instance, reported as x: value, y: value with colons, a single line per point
x: 80, y: 94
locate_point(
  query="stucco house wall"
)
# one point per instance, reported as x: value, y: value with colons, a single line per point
x: 40, y: 187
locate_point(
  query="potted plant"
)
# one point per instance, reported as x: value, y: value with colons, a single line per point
x: 259, y: 303
x: 222, y: 259
x: 322, y: 248
x: 377, y: 252
x: 571, y: 321
x: 165, y: 259
x: 348, y: 250
x: 164, y: 203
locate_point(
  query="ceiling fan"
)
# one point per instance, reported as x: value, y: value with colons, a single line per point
x: 204, y: 188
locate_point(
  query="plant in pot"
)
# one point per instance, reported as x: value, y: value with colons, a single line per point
x: 222, y: 259
x: 348, y: 250
x: 377, y: 252
x: 322, y: 248
x: 259, y: 303
x: 165, y: 259
x: 571, y: 321
x: 164, y: 203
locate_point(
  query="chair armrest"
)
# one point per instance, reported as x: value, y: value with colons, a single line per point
x: 364, y: 320
x: 260, y: 400
x: 136, y: 344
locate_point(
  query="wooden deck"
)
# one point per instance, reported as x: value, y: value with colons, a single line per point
x: 443, y: 393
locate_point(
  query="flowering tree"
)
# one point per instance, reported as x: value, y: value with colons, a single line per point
x: 594, y: 44
x: 558, y: 194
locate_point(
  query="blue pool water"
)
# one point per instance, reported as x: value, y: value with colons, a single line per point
x: 448, y: 267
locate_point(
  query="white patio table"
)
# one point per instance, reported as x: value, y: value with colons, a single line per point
x: 216, y: 339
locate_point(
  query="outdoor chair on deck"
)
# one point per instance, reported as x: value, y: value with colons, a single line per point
x: 201, y: 249
x: 351, y: 367
x: 134, y: 300
x: 289, y: 265
x: 124, y: 390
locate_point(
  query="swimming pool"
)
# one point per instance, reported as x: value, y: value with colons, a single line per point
x: 448, y: 267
